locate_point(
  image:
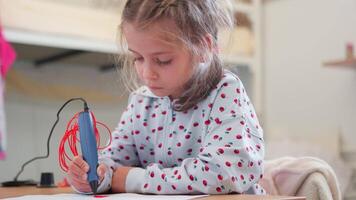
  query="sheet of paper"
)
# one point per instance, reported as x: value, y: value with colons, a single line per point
x: 123, y: 196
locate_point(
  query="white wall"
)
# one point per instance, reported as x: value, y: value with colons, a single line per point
x: 29, y: 119
x: 303, y: 97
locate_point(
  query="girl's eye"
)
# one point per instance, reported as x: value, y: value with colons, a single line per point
x: 164, y: 62
x: 138, y: 59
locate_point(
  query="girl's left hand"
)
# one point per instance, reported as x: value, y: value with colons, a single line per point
x: 119, y: 179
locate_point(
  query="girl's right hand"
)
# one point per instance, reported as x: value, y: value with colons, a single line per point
x: 77, y: 174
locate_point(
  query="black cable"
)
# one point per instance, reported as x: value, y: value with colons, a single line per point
x: 50, y: 135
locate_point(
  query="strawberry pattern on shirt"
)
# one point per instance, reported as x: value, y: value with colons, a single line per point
x: 215, y: 147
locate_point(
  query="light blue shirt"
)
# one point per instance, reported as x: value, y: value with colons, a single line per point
x: 215, y: 147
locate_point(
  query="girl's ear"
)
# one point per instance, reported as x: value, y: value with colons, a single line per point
x: 208, y: 42
x: 209, y: 45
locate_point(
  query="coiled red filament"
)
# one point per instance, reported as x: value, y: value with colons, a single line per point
x: 70, y: 137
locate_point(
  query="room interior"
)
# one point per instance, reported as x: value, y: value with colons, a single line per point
x: 295, y: 58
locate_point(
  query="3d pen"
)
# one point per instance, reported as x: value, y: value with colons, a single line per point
x: 88, y: 146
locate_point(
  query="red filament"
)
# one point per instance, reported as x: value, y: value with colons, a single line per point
x: 70, y: 138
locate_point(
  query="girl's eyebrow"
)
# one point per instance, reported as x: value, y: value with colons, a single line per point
x: 155, y: 53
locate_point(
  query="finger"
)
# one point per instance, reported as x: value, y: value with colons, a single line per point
x: 78, y: 160
x: 78, y: 172
x: 101, y: 171
x: 81, y: 187
x: 77, y: 179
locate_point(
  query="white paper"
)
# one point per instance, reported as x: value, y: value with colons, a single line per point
x: 123, y: 196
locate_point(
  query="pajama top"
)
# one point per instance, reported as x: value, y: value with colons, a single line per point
x: 215, y: 147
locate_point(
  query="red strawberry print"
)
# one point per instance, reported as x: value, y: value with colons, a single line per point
x: 205, y: 182
x: 228, y: 164
x: 221, y: 151
x: 218, y: 121
x: 191, y: 177
x: 206, y: 167
x: 221, y: 109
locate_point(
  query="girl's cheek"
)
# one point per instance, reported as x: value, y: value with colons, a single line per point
x: 138, y: 71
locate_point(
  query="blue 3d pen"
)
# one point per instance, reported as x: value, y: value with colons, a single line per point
x: 88, y: 146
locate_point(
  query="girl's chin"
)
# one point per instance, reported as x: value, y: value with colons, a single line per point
x: 159, y: 92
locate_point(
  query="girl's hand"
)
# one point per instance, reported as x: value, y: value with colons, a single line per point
x: 119, y: 179
x: 77, y: 174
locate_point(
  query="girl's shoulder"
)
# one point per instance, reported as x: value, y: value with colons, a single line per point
x: 229, y: 84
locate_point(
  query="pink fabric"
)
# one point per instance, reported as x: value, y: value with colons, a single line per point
x: 7, y: 55
x: 284, y: 176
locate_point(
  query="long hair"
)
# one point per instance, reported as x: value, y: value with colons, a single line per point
x: 194, y: 19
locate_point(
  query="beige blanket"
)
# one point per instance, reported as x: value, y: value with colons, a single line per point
x: 304, y: 176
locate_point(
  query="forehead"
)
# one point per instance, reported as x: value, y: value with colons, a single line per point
x: 163, y: 32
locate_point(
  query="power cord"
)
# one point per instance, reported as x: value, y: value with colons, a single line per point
x: 16, y: 182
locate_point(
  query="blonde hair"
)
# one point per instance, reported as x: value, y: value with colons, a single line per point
x: 195, y: 20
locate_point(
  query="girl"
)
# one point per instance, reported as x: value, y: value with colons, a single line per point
x: 190, y: 128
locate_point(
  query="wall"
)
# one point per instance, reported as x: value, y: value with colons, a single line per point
x: 304, y: 98
x: 29, y: 119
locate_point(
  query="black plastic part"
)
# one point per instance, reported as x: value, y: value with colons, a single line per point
x: 19, y: 183
x: 94, y: 186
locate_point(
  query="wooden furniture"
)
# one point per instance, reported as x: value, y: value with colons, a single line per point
x: 349, y: 61
x: 342, y: 63
x: 7, y: 192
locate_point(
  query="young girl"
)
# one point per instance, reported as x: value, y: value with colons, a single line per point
x: 190, y: 128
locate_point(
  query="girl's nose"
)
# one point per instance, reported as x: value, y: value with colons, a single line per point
x: 149, y: 73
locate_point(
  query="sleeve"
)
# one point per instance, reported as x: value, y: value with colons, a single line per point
x: 122, y: 151
x: 230, y: 159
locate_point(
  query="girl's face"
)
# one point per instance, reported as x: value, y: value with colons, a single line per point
x: 164, y: 68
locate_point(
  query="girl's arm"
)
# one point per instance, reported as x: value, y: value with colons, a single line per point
x: 121, y: 152
x: 230, y: 160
